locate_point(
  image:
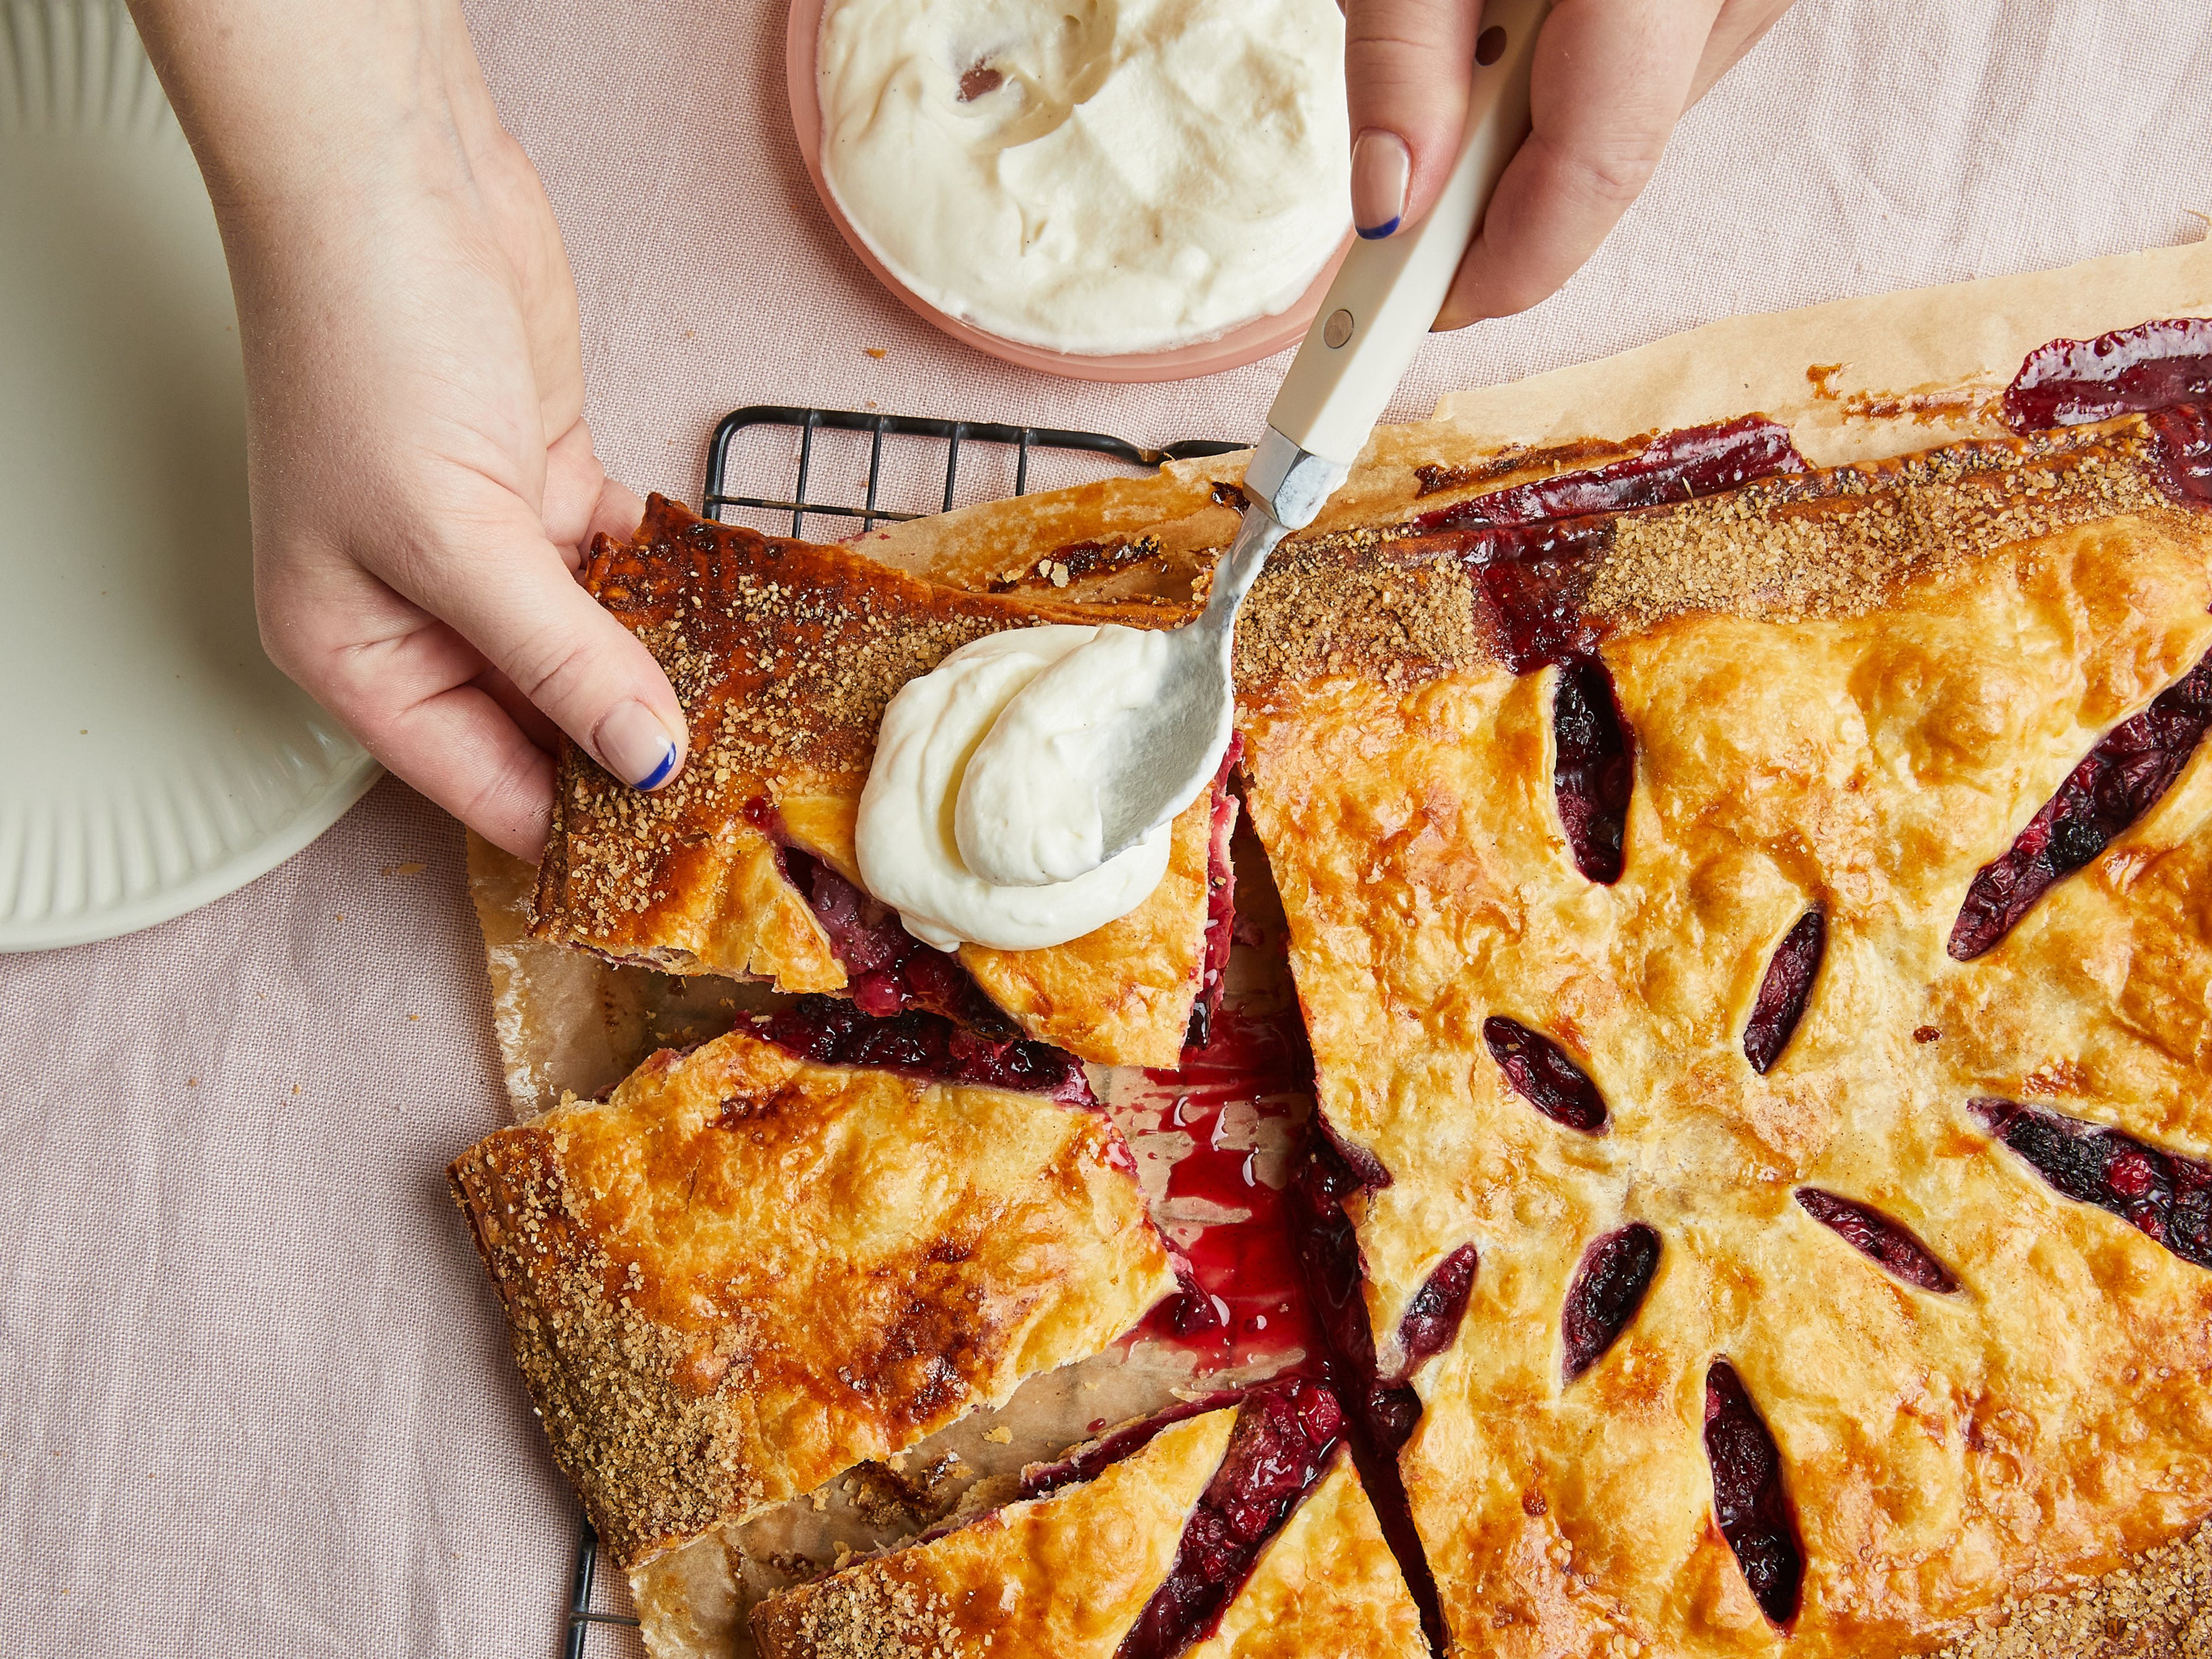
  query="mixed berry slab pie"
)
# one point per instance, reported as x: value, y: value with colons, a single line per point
x: 753, y: 1267
x: 1756, y: 948
x: 1754, y: 923
x: 784, y: 655
x: 1236, y: 1533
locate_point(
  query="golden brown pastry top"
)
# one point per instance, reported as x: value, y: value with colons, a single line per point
x: 743, y: 1272
x: 784, y: 656
x: 1848, y: 693
x: 1067, y: 1575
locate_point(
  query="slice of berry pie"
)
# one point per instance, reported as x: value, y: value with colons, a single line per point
x: 784, y: 655
x: 1755, y: 941
x: 811, y: 1242
x: 1238, y: 1533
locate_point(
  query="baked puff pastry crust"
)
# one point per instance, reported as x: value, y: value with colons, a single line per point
x: 1105, y: 1567
x: 1837, y: 1281
x: 743, y: 1272
x: 784, y: 655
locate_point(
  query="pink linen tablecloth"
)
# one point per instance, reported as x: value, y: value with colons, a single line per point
x: 254, y: 1393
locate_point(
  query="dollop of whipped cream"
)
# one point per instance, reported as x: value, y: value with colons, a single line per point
x: 1032, y: 806
x: 906, y: 844
x: 1091, y: 176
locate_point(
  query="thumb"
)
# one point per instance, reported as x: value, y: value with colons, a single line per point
x: 508, y: 591
x: 1407, y: 67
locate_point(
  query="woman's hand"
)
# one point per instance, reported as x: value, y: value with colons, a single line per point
x: 424, y: 484
x: 1611, y: 78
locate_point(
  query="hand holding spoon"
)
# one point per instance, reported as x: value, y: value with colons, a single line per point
x: 1114, y: 741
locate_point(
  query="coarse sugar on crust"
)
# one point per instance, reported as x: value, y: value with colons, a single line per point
x: 1402, y: 605
x: 2157, y: 1605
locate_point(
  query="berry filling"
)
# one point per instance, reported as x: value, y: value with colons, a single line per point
x: 888, y: 971
x: 1277, y: 1451
x: 1331, y: 1171
x: 1676, y: 466
x: 1431, y: 1319
x: 1785, y: 991
x: 835, y: 1032
x: 1244, y: 1301
x: 1607, y: 1288
x: 2164, y: 1194
x: 1748, y: 1501
x: 1534, y: 577
x: 1220, y: 902
x: 2117, y: 782
x: 2131, y: 371
x: 1876, y: 1235
x: 2184, y: 442
x: 1594, y: 768
x: 1541, y: 1075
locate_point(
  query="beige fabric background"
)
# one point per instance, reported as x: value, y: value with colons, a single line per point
x: 254, y: 1396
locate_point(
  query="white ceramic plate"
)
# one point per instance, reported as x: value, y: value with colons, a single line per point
x: 150, y: 757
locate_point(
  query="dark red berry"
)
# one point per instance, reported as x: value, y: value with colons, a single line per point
x: 1282, y: 1439
x: 1594, y: 768
x: 836, y: 1032
x: 2117, y: 782
x: 1875, y: 1235
x: 1749, y: 1502
x: 1785, y: 991
x: 1432, y: 1318
x: 1607, y: 1288
x: 2166, y: 1195
x: 1540, y: 1072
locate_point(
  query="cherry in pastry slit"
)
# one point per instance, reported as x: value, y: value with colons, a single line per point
x: 1878, y: 1238
x: 1607, y: 1288
x: 2166, y: 1195
x: 1748, y: 1501
x: 835, y: 1032
x: 1541, y: 1075
x: 1281, y: 1443
x: 1785, y: 992
x: 2117, y: 782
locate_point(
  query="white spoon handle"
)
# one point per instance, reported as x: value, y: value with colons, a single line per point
x: 1388, y: 293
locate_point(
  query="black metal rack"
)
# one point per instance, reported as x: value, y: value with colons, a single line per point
x: 805, y: 463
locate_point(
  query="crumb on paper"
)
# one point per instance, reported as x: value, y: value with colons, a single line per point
x: 821, y: 1503
x: 1001, y: 1436
x: 897, y: 1461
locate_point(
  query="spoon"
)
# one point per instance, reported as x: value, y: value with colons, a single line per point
x: 1152, y: 759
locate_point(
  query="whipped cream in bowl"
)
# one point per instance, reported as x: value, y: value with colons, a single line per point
x: 907, y: 844
x: 1092, y: 178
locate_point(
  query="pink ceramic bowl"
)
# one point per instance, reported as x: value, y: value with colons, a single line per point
x: 1245, y: 343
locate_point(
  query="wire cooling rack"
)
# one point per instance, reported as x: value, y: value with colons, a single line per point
x: 844, y: 465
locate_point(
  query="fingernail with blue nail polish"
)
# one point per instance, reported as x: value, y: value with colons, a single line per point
x: 1381, y: 173
x: 635, y: 746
